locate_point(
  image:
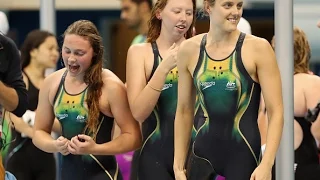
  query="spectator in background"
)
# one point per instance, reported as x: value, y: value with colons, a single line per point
x: 136, y: 14
x: 13, y: 93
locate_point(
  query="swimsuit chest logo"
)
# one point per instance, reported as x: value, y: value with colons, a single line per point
x: 231, y: 86
x: 81, y: 119
x: 62, y: 116
x: 206, y: 85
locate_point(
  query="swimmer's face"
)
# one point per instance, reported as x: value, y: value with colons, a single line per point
x: 225, y: 14
x: 177, y: 16
x: 77, y: 54
x: 130, y: 13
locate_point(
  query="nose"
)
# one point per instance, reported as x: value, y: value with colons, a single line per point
x: 71, y: 58
x: 183, y: 17
x: 235, y: 11
x: 123, y: 15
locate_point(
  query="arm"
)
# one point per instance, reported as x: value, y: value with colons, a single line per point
x: 20, y: 125
x: 141, y: 94
x: 185, y: 108
x: 270, y: 82
x: 262, y: 121
x: 44, y: 120
x: 13, y: 93
x: 130, y: 137
x: 312, y: 97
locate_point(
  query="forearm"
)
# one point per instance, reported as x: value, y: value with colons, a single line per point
x: 182, y: 135
x: 315, y: 129
x: 274, y: 134
x: 44, y: 141
x: 145, y: 102
x: 23, y: 127
x: 124, y: 143
x: 8, y: 97
x: 57, y: 127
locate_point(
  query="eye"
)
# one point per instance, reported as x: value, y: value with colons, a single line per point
x: 189, y: 13
x: 239, y: 6
x: 79, y: 53
x: 228, y: 5
x: 67, y: 51
x: 176, y: 12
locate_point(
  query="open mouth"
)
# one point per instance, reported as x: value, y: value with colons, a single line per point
x: 74, y: 68
x: 181, y: 27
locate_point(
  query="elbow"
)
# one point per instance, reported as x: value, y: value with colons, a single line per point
x: 315, y: 131
x: 34, y: 139
x: 139, y: 115
x: 137, y: 144
x: 138, y: 141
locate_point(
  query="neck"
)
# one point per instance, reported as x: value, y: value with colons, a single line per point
x: 167, y: 40
x: 36, y: 70
x: 219, y: 36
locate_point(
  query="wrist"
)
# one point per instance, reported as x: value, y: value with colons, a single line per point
x: 267, y: 163
x: 163, y: 69
x: 97, y: 149
x: 178, y: 166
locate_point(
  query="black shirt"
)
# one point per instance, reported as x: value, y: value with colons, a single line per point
x: 10, y: 72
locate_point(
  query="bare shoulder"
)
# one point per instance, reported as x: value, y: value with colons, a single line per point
x: 191, y: 45
x: 55, y: 76
x: 137, y: 49
x: 257, y: 43
x: 309, y: 80
x: 51, y: 83
x: 258, y: 49
x: 111, y: 81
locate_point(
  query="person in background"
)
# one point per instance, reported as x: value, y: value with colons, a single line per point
x: 136, y: 14
x: 13, y: 92
x: 39, y: 51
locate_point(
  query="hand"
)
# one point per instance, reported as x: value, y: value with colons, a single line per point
x: 170, y: 60
x: 262, y: 172
x: 81, y: 144
x: 62, y: 145
x: 180, y: 175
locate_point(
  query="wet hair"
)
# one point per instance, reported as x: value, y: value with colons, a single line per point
x: 93, y: 75
x: 155, y: 23
x: 302, y: 52
x: 33, y: 40
x: 203, y: 11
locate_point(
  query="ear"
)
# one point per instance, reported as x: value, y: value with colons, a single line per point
x: 159, y: 14
x: 206, y: 7
x: 33, y: 52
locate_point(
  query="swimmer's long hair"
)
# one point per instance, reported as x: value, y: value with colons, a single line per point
x: 93, y: 75
x: 155, y: 23
x: 302, y: 52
